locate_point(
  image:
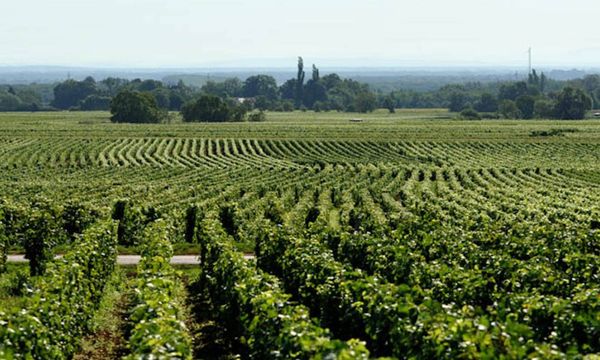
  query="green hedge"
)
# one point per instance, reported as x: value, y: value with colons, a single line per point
x: 63, y: 302
x: 158, y: 329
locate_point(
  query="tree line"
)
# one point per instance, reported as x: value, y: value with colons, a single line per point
x: 536, y: 97
x: 235, y: 100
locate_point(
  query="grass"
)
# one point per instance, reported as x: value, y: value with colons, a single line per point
x: 107, y: 339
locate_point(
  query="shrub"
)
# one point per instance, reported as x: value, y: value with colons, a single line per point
x: 135, y: 107
x: 469, y: 114
x: 257, y: 116
x: 207, y: 108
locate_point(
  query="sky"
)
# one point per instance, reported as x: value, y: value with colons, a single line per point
x: 272, y: 33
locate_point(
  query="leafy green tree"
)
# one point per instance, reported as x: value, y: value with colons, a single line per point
x: 572, y: 104
x: 512, y: 91
x: 113, y: 85
x: 262, y: 103
x: 288, y: 89
x: 148, y: 85
x: 162, y: 97
x: 486, y: 103
x: 9, y: 102
x: 135, y: 107
x: 95, y: 102
x: 70, y: 93
x: 509, y: 109
x: 207, y: 108
x: 544, y: 109
x: 365, y: 102
x: 314, y: 92
x: 390, y: 104
x: 526, y: 105
x: 261, y: 85
x: 228, y: 88
x: 458, y: 100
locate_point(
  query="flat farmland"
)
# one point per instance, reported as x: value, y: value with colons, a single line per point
x: 406, y: 235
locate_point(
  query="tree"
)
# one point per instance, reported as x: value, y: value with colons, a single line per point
x: 135, y: 107
x: 512, y: 91
x: 95, y: 102
x: 509, y: 109
x: 390, y: 104
x: 261, y: 85
x: 113, y: 85
x: 315, y: 73
x: 288, y: 89
x: 458, y: 100
x: 544, y: 109
x: 228, y: 88
x: 163, y: 98
x: 299, y: 95
x: 70, y: 93
x: 486, y: 103
x: 9, y: 102
x: 207, y: 108
x: 314, y: 91
x: 526, y: 105
x: 469, y: 114
x: 572, y: 104
x: 365, y: 102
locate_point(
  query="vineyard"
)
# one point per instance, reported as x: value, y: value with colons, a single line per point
x: 407, y: 236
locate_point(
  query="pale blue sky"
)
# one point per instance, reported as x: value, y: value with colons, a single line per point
x: 190, y: 33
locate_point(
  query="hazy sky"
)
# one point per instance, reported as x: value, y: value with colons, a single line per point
x: 191, y: 33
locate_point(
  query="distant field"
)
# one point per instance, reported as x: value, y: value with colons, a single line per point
x: 419, y: 234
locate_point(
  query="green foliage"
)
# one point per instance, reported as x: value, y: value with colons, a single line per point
x: 390, y: 104
x: 42, y: 233
x: 509, y: 109
x: 572, y: 104
x: 486, y: 103
x: 458, y: 100
x: 552, y: 132
x: 229, y: 88
x: 257, y: 116
x: 261, y: 85
x: 470, y: 114
x: 544, y: 109
x: 255, y: 311
x: 526, y: 105
x: 63, y: 302
x: 70, y: 93
x: 135, y: 107
x: 95, y: 102
x: 207, y: 108
x: 132, y: 220
x: 158, y: 328
x: 365, y: 102
x: 41, y: 226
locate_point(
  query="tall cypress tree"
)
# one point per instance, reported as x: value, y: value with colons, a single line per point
x: 315, y: 73
x: 300, y: 82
